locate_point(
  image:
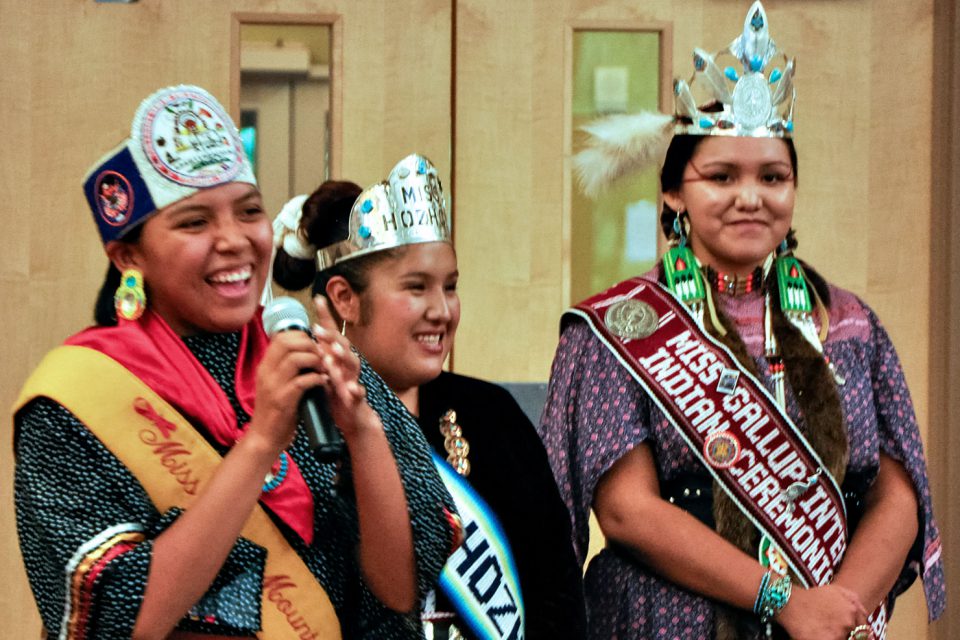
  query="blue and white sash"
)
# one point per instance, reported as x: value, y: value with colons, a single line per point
x: 480, y: 578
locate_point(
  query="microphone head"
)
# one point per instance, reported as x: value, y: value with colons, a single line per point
x: 284, y: 313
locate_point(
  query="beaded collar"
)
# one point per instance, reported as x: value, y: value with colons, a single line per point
x: 733, y: 285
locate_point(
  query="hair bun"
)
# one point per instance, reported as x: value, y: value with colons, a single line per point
x: 322, y: 220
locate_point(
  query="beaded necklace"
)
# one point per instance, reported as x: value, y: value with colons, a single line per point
x: 733, y: 285
x: 685, y: 277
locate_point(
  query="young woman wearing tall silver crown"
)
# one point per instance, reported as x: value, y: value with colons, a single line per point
x: 163, y: 488
x: 741, y: 428
x: 387, y: 265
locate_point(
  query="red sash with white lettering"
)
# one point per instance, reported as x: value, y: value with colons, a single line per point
x: 730, y: 422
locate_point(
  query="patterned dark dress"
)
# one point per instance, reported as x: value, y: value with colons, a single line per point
x: 509, y: 469
x: 69, y: 489
x: 597, y: 413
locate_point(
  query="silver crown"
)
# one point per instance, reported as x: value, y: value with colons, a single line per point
x: 756, y: 101
x: 748, y: 103
x: 407, y: 208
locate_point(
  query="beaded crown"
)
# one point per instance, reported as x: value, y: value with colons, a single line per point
x: 756, y: 100
x: 407, y: 208
x: 182, y: 140
x: 753, y: 96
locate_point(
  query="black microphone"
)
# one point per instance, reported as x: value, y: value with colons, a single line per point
x: 287, y: 314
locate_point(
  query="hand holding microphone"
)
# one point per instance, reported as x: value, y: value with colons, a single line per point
x: 286, y: 314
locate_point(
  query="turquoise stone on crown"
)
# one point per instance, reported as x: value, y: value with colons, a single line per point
x: 722, y: 100
x: 407, y: 208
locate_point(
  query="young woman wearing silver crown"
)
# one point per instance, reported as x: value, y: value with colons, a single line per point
x: 741, y: 428
x: 390, y: 272
x: 163, y: 488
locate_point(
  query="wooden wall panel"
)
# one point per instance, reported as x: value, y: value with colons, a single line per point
x: 396, y: 68
x: 897, y: 216
x: 945, y: 303
x: 71, y: 76
x: 72, y: 73
x: 509, y: 159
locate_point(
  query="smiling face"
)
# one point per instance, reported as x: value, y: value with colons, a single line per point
x: 204, y: 259
x: 739, y: 194
x: 405, y: 320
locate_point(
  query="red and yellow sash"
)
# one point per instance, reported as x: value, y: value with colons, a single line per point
x: 730, y: 422
x: 174, y: 463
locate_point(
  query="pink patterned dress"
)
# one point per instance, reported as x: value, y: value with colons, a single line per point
x: 596, y: 413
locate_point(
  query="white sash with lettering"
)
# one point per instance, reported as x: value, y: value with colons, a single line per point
x: 480, y: 578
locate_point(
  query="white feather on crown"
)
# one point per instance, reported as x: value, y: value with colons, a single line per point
x: 756, y: 101
x: 620, y: 145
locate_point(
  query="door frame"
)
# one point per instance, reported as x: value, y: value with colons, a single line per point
x: 335, y: 23
x: 943, y: 446
x: 664, y: 31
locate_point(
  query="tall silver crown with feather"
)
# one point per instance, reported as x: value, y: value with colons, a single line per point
x: 407, y: 208
x: 755, y: 101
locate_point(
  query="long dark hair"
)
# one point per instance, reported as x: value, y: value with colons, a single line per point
x: 807, y: 374
x: 325, y: 221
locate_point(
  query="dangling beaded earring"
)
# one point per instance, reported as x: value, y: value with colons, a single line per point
x: 681, y: 269
x: 680, y: 229
x: 130, y: 300
x: 783, y: 248
x: 798, y: 300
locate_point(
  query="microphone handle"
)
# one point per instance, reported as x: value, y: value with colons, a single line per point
x: 326, y: 442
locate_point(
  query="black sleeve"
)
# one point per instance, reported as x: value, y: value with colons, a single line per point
x: 536, y: 522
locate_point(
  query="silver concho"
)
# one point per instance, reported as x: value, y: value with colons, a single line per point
x: 751, y: 101
x: 631, y: 319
